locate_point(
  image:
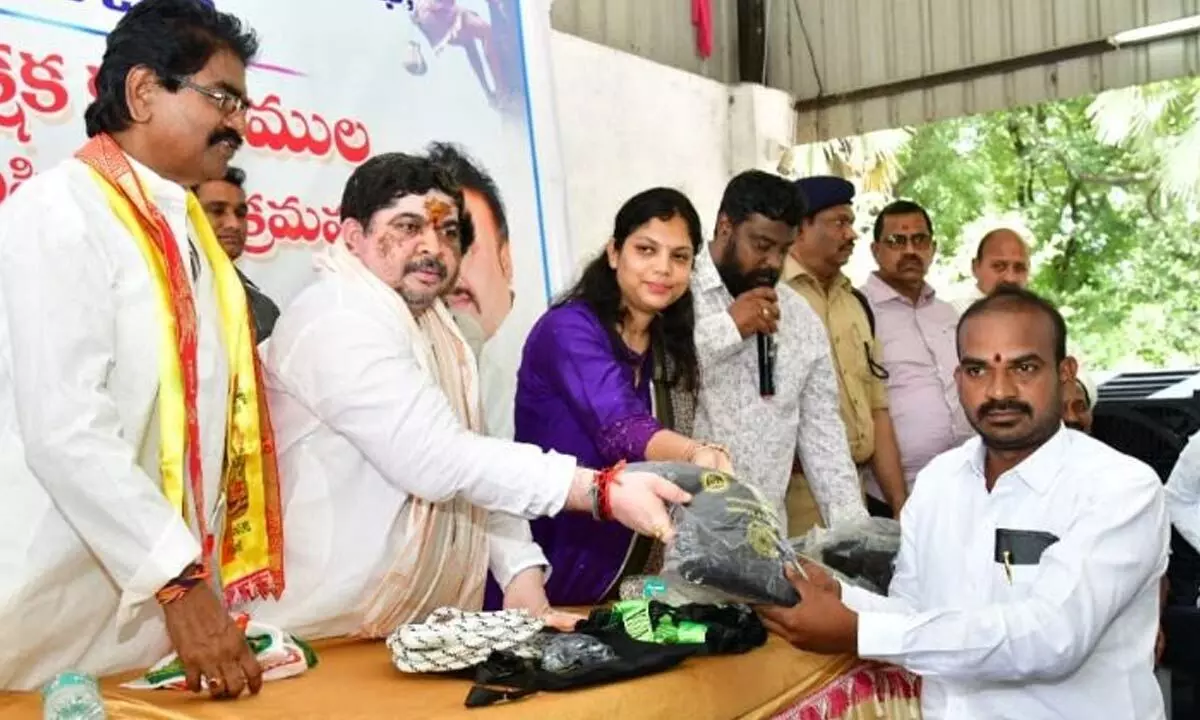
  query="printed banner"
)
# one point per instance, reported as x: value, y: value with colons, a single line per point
x: 334, y: 84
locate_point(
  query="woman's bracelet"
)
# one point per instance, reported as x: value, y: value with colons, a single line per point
x: 698, y: 446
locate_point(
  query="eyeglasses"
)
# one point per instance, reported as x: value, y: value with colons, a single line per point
x: 229, y: 103
x: 917, y: 241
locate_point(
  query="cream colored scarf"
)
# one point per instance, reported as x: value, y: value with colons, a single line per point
x: 440, y: 558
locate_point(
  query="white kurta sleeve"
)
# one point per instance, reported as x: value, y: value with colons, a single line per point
x: 1183, y: 493
x: 60, y: 311
x: 1116, y: 548
x: 511, y: 549
x: 353, y: 374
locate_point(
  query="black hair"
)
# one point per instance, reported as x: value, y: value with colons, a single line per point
x: 174, y: 38
x: 983, y: 241
x: 1009, y: 298
x: 673, y: 330
x: 469, y: 174
x: 755, y: 192
x: 385, y: 178
x: 234, y: 176
x: 899, y: 207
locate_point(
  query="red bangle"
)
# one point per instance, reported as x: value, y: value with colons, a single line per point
x: 191, y: 576
x: 604, y: 480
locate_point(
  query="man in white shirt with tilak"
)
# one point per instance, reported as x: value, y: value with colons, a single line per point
x: 1027, y: 580
x: 395, y: 504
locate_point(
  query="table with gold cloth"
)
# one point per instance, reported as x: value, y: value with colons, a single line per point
x: 357, y: 680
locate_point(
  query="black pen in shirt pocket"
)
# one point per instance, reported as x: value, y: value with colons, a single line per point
x: 1021, y: 547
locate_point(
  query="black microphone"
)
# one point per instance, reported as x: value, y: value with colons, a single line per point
x: 766, y: 365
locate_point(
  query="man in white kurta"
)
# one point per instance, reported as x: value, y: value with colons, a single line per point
x: 87, y: 537
x: 369, y: 423
x: 1027, y: 582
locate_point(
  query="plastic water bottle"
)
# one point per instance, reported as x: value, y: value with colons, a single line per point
x: 72, y: 696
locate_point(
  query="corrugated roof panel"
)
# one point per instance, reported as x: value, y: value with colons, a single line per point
x: 829, y: 47
x: 659, y: 30
x: 919, y: 37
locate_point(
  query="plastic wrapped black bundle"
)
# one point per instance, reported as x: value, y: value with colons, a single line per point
x: 728, y: 539
x: 570, y: 651
x: 863, y: 553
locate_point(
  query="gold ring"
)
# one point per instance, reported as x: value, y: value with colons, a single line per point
x: 766, y: 312
x: 659, y: 531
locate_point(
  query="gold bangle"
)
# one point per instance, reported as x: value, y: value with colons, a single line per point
x: 697, y: 446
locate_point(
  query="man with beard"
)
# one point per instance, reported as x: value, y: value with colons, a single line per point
x: 1027, y: 581
x: 916, y: 331
x: 130, y: 411
x: 813, y: 268
x: 395, y: 504
x: 224, y: 202
x: 736, y: 298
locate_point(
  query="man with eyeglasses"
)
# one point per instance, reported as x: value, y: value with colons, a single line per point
x: 813, y: 268
x: 127, y: 362
x: 915, y: 329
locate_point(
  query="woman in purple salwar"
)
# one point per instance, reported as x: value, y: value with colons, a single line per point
x: 584, y: 387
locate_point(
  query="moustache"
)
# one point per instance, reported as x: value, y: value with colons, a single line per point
x: 993, y: 406
x: 428, y: 264
x: 911, y: 261
x: 763, y: 278
x: 226, y: 135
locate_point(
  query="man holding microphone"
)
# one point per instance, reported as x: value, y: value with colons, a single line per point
x: 768, y: 390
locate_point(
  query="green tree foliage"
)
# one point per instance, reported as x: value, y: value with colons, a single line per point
x: 1110, y: 187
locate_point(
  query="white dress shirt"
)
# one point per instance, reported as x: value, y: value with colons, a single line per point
x: 86, y: 535
x: 360, y: 428
x: 1183, y: 493
x: 1070, y: 636
x: 801, y: 420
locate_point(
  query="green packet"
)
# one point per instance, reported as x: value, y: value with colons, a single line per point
x: 281, y: 655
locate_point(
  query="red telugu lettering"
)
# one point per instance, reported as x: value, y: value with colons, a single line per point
x: 287, y: 221
x: 44, y: 78
x: 21, y: 170
x: 13, y: 119
x: 269, y: 127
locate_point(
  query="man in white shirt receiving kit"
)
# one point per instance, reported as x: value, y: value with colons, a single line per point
x: 129, y: 407
x: 394, y: 505
x: 1027, y: 582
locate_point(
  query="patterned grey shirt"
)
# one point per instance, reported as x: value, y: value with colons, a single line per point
x: 802, y: 419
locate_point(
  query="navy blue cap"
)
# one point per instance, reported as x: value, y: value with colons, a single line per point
x: 825, y: 191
